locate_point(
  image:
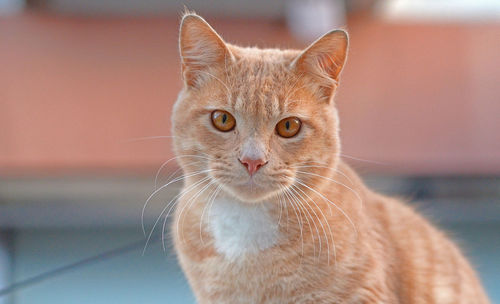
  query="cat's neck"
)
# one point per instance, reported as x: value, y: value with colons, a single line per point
x: 239, y: 228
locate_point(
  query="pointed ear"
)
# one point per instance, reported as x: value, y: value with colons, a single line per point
x: 200, y: 47
x: 323, y: 60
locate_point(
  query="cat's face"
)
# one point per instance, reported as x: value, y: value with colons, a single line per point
x: 250, y: 118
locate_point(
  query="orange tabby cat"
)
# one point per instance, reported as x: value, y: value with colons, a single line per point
x: 269, y: 213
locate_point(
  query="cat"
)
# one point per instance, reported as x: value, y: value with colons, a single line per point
x: 269, y: 213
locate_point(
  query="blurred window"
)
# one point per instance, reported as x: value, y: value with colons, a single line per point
x: 440, y: 10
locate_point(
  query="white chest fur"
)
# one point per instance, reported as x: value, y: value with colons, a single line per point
x: 240, y: 228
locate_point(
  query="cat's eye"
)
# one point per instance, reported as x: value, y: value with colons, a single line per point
x: 288, y: 127
x: 223, y: 120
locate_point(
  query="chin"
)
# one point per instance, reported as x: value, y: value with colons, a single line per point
x: 251, y: 192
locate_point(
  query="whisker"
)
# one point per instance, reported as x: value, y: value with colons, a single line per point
x: 282, y: 200
x: 281, y: 209
x: 210, y: 201
x: 363, y: 160
x: 178, y: 196
x: 189, y: 202
x: 187, y: 206
x: 171, y: 175
x: 210, y: 207
x: 163, y: 187
x: 337, y: 182
x: 169, y: 211
x: 307, y: 215
x: 326, y: 222
x: 299, y: 221
x: 328, y: 200
x: 326, y: 167
x: 314, y: 212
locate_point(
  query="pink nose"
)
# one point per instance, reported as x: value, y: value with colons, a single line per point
x: 252, y: 165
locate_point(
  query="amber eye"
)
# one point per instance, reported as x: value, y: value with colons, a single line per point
x: 288, y: 127
x: 223, y: 120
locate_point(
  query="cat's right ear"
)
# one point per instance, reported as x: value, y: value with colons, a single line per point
x: 201, y: 49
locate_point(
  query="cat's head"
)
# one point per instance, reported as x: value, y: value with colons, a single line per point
x: 251, y: 119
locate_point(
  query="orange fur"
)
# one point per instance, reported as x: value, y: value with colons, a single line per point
x: 304, y: 228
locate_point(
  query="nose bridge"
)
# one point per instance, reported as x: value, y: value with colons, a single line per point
x: 253, y: 149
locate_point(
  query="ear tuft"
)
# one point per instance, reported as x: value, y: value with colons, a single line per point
x: 186, y: 11
x: 324, y: 60
x: 201, y: 48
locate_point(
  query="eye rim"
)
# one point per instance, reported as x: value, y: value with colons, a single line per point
x: 284, y: 121
x: 219, y: 128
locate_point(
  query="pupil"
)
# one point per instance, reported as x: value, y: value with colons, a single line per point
x: 287, y: 125
x: 224, y: 118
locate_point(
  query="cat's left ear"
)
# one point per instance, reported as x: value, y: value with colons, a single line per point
x: 201, y: 49
x: 323, y: 61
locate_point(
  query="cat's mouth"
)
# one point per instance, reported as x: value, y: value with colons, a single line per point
x: 253, y: 189
x: 250, y: 185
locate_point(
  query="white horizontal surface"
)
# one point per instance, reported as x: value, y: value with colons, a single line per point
x: 80, y: 202
x: 440, y: 10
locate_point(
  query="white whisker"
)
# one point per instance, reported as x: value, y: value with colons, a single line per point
x: 187, y: 206
x: 299, y: 221
x: 327, y: 224
x: 181, y: 194
x: 307, y: 215
x: 166, y: 217
x: 281, y: 209
x: 328, y: 200
x: 175, y: 158
x: 337, y: 182
x: 326, y: 167
x: 363, y: 160
x: 209, y: 203
x: 163, y: 187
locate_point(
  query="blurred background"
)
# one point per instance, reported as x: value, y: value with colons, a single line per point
x: 86, y: 91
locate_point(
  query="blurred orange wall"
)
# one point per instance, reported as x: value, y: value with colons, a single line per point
x: 419, y: 98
